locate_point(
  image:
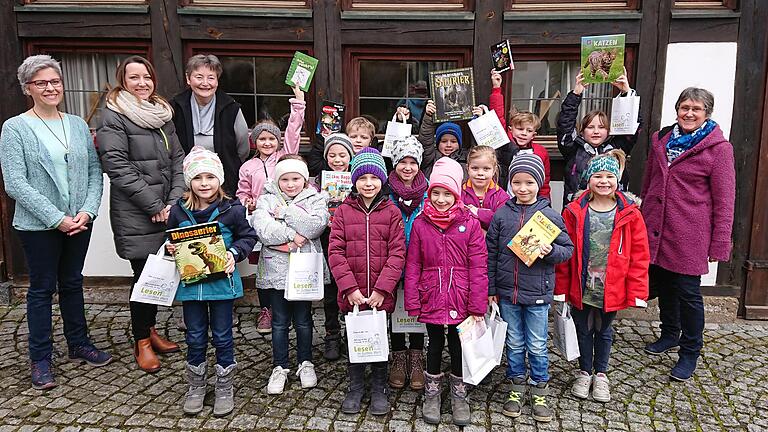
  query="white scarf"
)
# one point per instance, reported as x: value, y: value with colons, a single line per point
x: 144, y: 113
x: 202, y: 116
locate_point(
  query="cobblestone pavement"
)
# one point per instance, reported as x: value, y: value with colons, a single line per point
x: 728, y: 393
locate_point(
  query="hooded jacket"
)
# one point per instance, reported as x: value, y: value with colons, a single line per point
x: 446, y: 277
x: 367, y: 250
x: 428, y: 141
x: 626, y: 278
x: 508, y: 276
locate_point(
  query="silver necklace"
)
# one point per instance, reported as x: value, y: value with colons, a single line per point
x: 64, y: 143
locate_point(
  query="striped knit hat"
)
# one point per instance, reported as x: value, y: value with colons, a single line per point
x: 368, y: 161
x: 338, y: 138
x: 198, y: 161
x: 602, y: 163
x: 530, y: 164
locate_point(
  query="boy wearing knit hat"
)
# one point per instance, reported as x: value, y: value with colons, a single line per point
x: 524, y: 293
x: 446, y: 140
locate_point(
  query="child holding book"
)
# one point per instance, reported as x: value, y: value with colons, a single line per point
x: 290, y: 216
x: 208, y: 304
x: 608, y: 271
x: 481, y: 193
x: 445, y: 141
x: 256, y: 172
x: 524, y: 293
x: 445, y: 282
x: 579, y: 142
x: 360, y: 132
x: 521, y: 131
x: 408, y: 187
x: 367, y: 256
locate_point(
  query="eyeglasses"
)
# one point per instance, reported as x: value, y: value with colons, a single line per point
x: 43, y: 84
x: 686, y: 108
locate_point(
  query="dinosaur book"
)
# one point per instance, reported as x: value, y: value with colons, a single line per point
x: 200, y: 252
x: 539, y: 230
x: 454, y: 94
x: 602, y: 58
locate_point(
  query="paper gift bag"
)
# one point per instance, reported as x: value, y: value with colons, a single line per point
x: 367, y: 336
x: 565, y: 339
x: 624, y: 114
x: 498, y: 330
x: 401, y: 322
x: 488, y: 131
x: 158, y: 281
x: 395, y: 131
x: 477, y: 353
x: 305, y: 276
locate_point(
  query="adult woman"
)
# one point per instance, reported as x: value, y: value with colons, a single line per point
x: 688, y: 198
x: 51, y: 169
x: 143, y: 158
x: 208, y: 117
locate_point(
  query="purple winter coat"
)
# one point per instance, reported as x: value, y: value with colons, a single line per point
x: 688, y: 204
x: 446, y: 274
x: 494, y: 198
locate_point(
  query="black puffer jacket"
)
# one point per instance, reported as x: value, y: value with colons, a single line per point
x: 428, y: 142
x: 146, y: 174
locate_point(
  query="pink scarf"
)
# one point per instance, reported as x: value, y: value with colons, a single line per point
x: 442, y: 219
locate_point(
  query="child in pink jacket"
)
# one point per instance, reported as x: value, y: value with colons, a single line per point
x: 446, y: 281
x: 481, y: 193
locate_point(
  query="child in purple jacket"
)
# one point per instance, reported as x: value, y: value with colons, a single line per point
x: 481, y: 193
x: 446, y: 281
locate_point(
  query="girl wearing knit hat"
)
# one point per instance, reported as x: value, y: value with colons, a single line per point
x: 367, y: 255
x: 482, y: 193
x: 445, y: 282
x: 208, y: 304
x: 289, y: 217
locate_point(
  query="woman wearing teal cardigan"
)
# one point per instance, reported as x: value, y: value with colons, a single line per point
x: 51, y: 169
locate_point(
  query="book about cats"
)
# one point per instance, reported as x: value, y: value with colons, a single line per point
x: 331, y: 118
x: 538, y: 231
x: 301, y: 71
x: 602, y: 58
x: 454, y: 94
x: 200, y: 252
x: 501, y: 56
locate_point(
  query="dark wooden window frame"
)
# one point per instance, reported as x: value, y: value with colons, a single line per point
x: 408, y: 5
x: 281, y: 4
x: 569, y: 5
x: 45, y: 46
x: 705, y: 4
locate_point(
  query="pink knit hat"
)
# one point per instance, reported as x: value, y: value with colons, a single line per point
x: 447, y: 173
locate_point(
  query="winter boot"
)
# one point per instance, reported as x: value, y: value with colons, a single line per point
x: 397, y: 375
x: 513, y: 407
x: 197, y: 377
x: 332, y: 349
x: 459, y: 405
x: 430, y: 409
x: 225, y: 393
x: 541, y: 410
x: 354, y: 396
x: 416, y: 362
x: 379, y: 392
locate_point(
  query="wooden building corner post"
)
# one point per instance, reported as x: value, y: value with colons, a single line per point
x: 326, y: 23
x: 167, y: 55
x: 489, y: 23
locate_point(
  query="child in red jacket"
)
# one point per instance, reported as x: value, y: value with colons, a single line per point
x: 609, y: 274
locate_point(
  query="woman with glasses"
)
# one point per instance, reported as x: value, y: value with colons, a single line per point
x: 143, y: 158
x: 688, y: 199
x: 51, y: 169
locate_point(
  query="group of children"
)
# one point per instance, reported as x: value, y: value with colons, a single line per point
x: 433, y: 229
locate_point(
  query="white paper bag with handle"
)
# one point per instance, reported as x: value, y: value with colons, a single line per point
x: 624, y: 114
x: 565, y: 338
x: 158, y: 281
x: 401, y: 322
x: 499, y: 331
x: 367, y: 336
x: 488, y: 131
x: 305, y: 276
x: 395, y: 131
x: 477, y: 353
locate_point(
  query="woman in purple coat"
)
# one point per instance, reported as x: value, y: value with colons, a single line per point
x: 688, y: 199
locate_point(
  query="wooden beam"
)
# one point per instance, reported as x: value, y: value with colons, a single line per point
x: 167, y: 56
x: 564, y: 31
x: 82, y: 25
x: 327, y: 48
x: 489, y: 23
x: 406, y: 32
x: 241, y: 28
x: 704, y: 30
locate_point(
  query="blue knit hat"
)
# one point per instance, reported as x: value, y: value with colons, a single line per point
x: 368, y: 161
x: 448, y: 128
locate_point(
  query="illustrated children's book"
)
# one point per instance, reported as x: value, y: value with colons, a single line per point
x: 602, y: 58
x: 454, y: 94
x: 301, y: 71
x: 538, y: 231
x: 200, y: 252
x: 338, y: 185
x: 331, y: 119
x: 501, y: 56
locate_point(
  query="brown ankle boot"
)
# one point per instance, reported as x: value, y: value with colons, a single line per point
x: 416, y: 367
x: 145, y: 356
x: 397, y: 371
x: 160, y: 344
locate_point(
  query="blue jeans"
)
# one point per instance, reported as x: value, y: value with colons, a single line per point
x: 283, y: 313
x: 527, y: 327
x: 199, y: 316
x: 595, y: 335
x: 681, y: 308
x: 55, y: 262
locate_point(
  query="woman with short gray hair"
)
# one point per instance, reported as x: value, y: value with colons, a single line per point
x: 688, y: 200
x: 51, y: 169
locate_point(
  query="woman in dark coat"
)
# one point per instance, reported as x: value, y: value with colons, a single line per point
x: 141, y: 154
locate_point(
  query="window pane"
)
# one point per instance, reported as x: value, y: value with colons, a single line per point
x: 238, y: 75
x: 248, y: 106
x: 275, y: 107
x: 381, y: 109
x: 270, y: 75
x: 383, y: 78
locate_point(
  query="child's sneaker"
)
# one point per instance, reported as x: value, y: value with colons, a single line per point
x: 580, y: 387
x: 265, y: 321
x: 601, y: 388
x: 662, y: 345
x: 277, y: 380
x: 89, y: 354
x: 306, y: 374
x: 513, y: 407
x: 541, y: 411
x: 42, y: 375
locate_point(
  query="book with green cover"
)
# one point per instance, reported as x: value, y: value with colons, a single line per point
x: 602, y: 58
x: 301, y: 71
x: 200, y: 252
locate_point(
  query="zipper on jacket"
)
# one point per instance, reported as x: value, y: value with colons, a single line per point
x: 517, y: 261
x: 368, y: 246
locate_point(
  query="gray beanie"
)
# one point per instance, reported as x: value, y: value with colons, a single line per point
x: 341, y: 139
x: 269, y: 127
